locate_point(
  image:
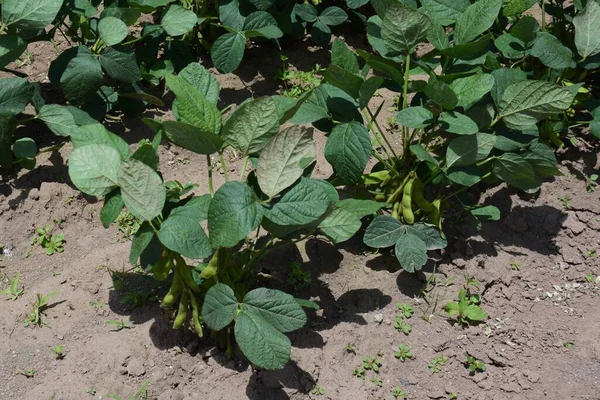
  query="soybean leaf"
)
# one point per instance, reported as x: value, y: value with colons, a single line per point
x: 280, y: 309
x: 81, y: 78
x: 429, y: 234
x: 359, y: 207
x: 142, y: 189
x: 415, y: 117
x: 320, y: 33
x: 24, y: 148
x: 516, y: 7
x: 551, y: 52
x: 340, y: 225
x: 348, y: 150
x: 15, y: 94
x: 485, y: 213
x: 510, y: 46
x: 525, y: 29
x: 120, y: 65
x: 112, y: 30
x: 58, y: 119
x: 147, y: 154
x: 202, y: 80
x: 233, y: 213
x: 303, y: 204
x: 284, y: 158
x: 252, y: 125
x: 503, y: 78
x: 445, y: 12
x: 230, y: 14
x: 113, y: 204
x: 127, y: 15
x: 441, y: 93
x: 437, y: 36
x: 368, y: 89
x: 587, y: 36
x: 11, y: 48
x: 140, y: 242
x: 220, y: 307
x: 192, y: 138
x: 7, y: 128
x: 94, y: 168
x: 403, y: 28
x: 196, y: 208
x: 178, y: 21
x: 516, y: 171
x: 306, y: 12
x: 467, y: 150
x: 467, y: 176
x: 185, y: 236
x: 526, y: 102
x: 261, y: 23
x: 227, y: 51
x: 343, y: 57
x: 343, y: 79
x: 411, y: 252
x: 98, y: 134
x: 30, y: 14
x: 333, y: 16
x: 264, y: 345
x: 455, y: 122
x: 472, y: 88
x: 384, y: 231
x: 475, y: 20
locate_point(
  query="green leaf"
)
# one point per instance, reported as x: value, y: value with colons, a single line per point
x: 441, y: 93
x: 343, y: 57
x: 261, y: 23
x: 320, y: 33
x: 81, y: 78
x: 403, y: 28
x: 348, y: 150
x: 368, y: 89
x: 230, y: 14
x: 455, y: 122
x: 503, y: 78
x: 227, y: 51
x: 306, y: 12
x: 360, y: 208
x: 196, y: 208
x: 279, y: 309
x: 233, y: 213
x: 445, y: 12
x: 127, y: 15
x: 261, y: 343
x: 485, y: 213
x: 220, y: 307
x: 194, y: 139
x: 472, y: 88
x: 142, y: 189
x: 11, y: 48
x: 113, y: 204
x: 415, y: 117
x: 94, y: 168
x: 178, y: 21
x: 542, y: 166
x: 471, y: 50
x: 452, y: 308
x: 587, y: 37
x: 384, y: 231
x: 465, y: 176
x: 524, y: 103
x: 30, y: 14
x: 422, y: 155
x: 510, y: 46
x: 192, y: 106
x: 340, y: 225
x: 112, y: 30
x: 147, y: 154
x: 140, y: 242
x: 345, y: 80
x: 516, y: 7
x: 411, y: 252
x: 185, y: 236
x: 467, y: 150
x: 475, y: 20
x: 551, y: 52
x: 58, y: 119
x: 475, y: 313
x: 333, y: 16
x: 202, y: 80
x: 252, y: 125
x: 97, y: 134
x: 7, y: 128
x: 516, y: 171
x: 525, y: 29
x: 15, y: 94
x: 437, y: 36
x: 429, y: 234
x: 24, y: 148
x: 120, y: 65
x: 284, y: 158
x: 303, y: 204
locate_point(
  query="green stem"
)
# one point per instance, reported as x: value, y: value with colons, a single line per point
x: 380, y: 131
x: 543, y: 16
x: 224, y: 166
x: 210, y: 176
x: 52, y: 148
x: 405, y: 138
x: 243, y: 171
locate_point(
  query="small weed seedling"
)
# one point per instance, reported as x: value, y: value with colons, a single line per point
x: 118, y: 324
x: 97, y: 304
x: 591, y: 278
x: 52, y: 243
x: 372, y: 363
x: 591, y: 253
x: 128, y: 224
x: 298, y: 82
x: 41, y: 303
x: 59, y: 352
x: 351, y: 348
x: 359, y: 372
x: 406, y: 310
x: 377, y: 381
x: 474, y: 364
x: 141, y: 394
x: 566, y: 202
x: 437, y: 363
x: 402, y: 326
x: 515, y: 266
x: 467, y: 310
x: 28, y: 373
x: 318, y: 390
x: 569, y: 345
x: 403, y: 352
x: 591, y: 183
x: 398, y: 394
x: 91, y: 390
x: 14, y: 291
x: 299, y: 278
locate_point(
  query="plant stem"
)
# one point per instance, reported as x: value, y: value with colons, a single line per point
x: 380, y: 131
x: 543, y: 16
x: 210, y: 176
x: 243, y: 171
x: 224, y: 166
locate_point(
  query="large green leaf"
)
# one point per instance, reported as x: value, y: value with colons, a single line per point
x: 587, y: 30
x: 284, y: 158
x: 445, y: 12
x: 303, y: 204
x: 25, y: 148
x: 58, y: 119
x: 94, y: 168
x: 340, y: 225
x: 112, y: 30
x: 332, y: 16
x: 142, y: 189
x: 227, y: 51
x: 441, y: 93
x: 30, y: 14
x: 384, y: 231
x: 342, y: 56
x: 261, y: 343
x: 196, y: 208
x: 475, y: 20
x: 472, y: 88
x: 343, y: 79
x: 503, y: 78
x: 280, y: 309
x: 112, y: 207
x: 81, y: 78
x: 524, y: 103
x: 429, y: 234
x: 348, y: 150
x: 359, y: 207
x: 403, y: 28
x: 411, y: 252
x: 516, y: 7
x: 262, y: 24
x: 7, y: 128
x: 15, y: 94
x: 455, y: 122
x: 193, y: 107
x: 467, y: 150
x: 516, y: 171
x: 11, y: 48
x: 220, y: 307
x: 192, y: 138
x: 233, y: 213
x: 230, y: 14
x: 202, y: 80
x: 184, y: 236
x: 251, y: 126
x: 178, y: 21
x: 120, y: 65
x: 551, y: 52
x: 98, y: 134
x: 415, y: 117
x: 128, y: 15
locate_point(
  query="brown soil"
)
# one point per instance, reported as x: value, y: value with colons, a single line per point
x: 540, y: 340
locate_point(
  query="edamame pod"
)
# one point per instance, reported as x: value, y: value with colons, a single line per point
x: 174, y: 292
x: 407, y: 213
x: 161, y: 269
x: 196, y: 315
x: 419, y: 198
x: 182, y: 311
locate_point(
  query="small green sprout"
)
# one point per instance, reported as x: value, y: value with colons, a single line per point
x: 14, y: 291
x: 569, y: 345
x: 359, y: 372
x: 377, y: 381
x: 402, y: 326
x: 41, y: 303
x: 299, y: 278
x: 474, y: 364
x: 403, y: 352
x: 406, y: 310
x: 118, y: 324
x: 372, y: 363
x: 467, y: 310
x: 59, y: 352
x: 398, y: 393
x: 437, y: 363
x: 52, y: 243
x: 318, y: 390
x: 351, y: 348
x: 515, y: 266
x: 28, y: 373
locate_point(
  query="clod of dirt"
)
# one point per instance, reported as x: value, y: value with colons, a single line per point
x: 571, y: 222
x: 171, y: 394
x: 571, y: 255
x: 135, y: 368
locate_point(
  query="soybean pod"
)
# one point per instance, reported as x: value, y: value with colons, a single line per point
x: 182, y: 310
